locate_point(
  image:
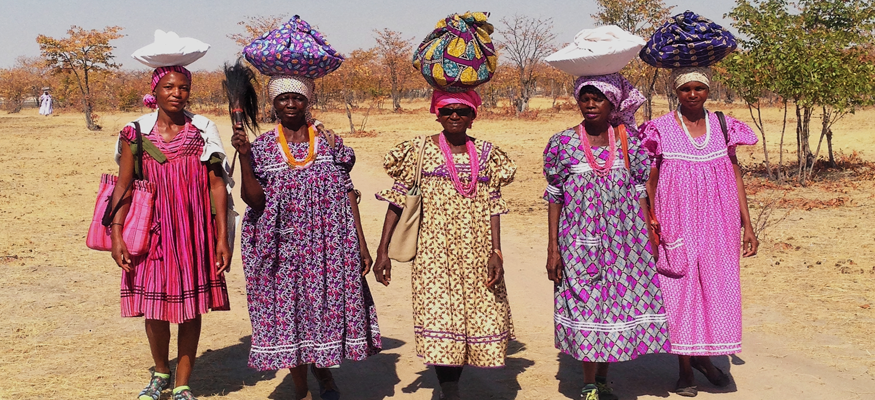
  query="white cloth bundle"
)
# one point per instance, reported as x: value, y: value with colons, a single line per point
x: 169, y: 49
x: 599, y: 51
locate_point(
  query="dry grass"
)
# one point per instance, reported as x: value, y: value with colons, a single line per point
x: 62, y: 338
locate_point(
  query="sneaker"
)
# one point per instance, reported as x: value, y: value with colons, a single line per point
x: 156, y: 385
x: 184, y: 394
x: 589, y: 392
x: 605, y: 392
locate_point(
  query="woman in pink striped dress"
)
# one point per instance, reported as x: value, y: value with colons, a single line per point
x: 181, y: 277
x: 700, y: 204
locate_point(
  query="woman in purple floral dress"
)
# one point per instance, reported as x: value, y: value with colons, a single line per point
x: 304, y: 252
x: 608, y: 304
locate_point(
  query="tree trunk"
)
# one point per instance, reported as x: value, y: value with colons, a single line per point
x: 832, y: 160
x: 349, y: 116
x: 89, y: 121
x: 759, y: 123
x: 781, y: 173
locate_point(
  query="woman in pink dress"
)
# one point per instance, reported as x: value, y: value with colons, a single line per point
x: 700, y: 204
x: 181, y: 277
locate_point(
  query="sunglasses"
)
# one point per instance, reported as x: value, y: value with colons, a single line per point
x: 462, y: 112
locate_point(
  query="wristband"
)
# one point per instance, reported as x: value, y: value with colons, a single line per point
x: 498, y: 252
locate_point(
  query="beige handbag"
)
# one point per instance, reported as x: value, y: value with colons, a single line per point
x: 402, y: 245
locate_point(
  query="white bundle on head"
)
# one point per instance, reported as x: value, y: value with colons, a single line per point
x: 599, y: 51
x: 170, y: 50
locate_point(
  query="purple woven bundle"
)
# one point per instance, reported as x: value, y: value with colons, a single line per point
x: 688, y: 40
x: 293, y: 49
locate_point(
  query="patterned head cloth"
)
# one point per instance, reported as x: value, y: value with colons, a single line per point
x: 280, y: 84
x: 625, y: 98
x: 150, y: 100
x: 440, y: 98
x: 682, y: 76
x: 688, y: 40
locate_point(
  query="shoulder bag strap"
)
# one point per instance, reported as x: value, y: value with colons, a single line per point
x: 624, y: 142
x: 419, y: 161
x: 110, y: 212
x: 722, y: 119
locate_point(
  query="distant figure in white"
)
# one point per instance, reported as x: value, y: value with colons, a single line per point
x: 45, y: 104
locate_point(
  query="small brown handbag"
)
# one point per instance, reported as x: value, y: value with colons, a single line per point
x: 402, y: 245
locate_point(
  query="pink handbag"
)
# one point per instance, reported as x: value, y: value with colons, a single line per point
x: 138, y: 223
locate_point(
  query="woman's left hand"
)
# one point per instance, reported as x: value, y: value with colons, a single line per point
x: 750, y: 242
x: 495, y: 270
x: 367, y: 261
x: 223, y: 257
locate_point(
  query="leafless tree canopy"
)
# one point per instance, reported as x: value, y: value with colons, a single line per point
x: 525, y: 41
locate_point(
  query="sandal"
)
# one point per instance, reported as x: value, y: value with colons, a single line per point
x: 327, y: 388
x: 688, y: 391
x: 156, y: 385
x: 184, y: 394
x: 722, y: 381
x: 589, y: 392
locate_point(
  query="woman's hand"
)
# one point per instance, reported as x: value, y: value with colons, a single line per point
x: 120, y: 250
x: 750, y: 242
x: 240, y: 140
x: 367, y: 262
x: 383, y: 268
x: 223, y: 256
x: 494, y: 270
x: 554, y: 265
x: 653, y: 232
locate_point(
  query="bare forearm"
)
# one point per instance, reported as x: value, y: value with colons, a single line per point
x: 652, y: 183
x: 495, y: 223
x: 553, y: 211
x: 251, y: 191
x: 393, y: 214
x: 353, y: 201
x: 742, y: 195
x: 220, y: 202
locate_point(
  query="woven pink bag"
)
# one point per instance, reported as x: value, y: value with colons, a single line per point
x: 138, y: 223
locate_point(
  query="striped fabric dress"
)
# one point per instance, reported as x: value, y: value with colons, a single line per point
x: 176, y: 280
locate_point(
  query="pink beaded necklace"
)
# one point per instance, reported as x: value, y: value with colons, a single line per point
x: 600, y: 170
x: 469, y: 190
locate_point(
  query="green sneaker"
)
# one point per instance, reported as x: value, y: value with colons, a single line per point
x: 589, y: 392
x: 184, y: 394
x: 605, y: 391
x: 153, y: 390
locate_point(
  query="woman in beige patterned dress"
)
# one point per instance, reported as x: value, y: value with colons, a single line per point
x: 461, y: 314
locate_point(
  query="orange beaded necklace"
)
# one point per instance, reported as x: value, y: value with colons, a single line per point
x: 290, y: 158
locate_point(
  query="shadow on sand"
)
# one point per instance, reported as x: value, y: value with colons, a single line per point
x: 480, y: 383
x: 650, y: 375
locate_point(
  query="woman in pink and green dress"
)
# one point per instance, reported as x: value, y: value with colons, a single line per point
x: 460, y: 309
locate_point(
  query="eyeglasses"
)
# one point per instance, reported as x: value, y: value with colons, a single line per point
x: 462, y: 112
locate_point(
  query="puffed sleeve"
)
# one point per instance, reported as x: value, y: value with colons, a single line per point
x: 554, y: 170
x: 639, y: 165
x: 648, y: 135
x: 740, y: 134
x: 400, y: 164
x: 344, y: 158
x: 501, y: 171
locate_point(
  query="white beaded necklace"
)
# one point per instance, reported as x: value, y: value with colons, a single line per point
x: 690, y: 137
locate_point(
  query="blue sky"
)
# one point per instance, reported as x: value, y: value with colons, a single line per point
x: 347, y: 24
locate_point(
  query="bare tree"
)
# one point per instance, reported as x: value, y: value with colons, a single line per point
x: 395, y: 53
x: 641, y: 18
x: 526, y: 41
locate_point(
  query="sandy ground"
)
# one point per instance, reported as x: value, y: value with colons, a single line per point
x: 807, y: 296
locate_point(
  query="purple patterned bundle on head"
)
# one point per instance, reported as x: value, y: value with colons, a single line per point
x: 688, y: 40
x: 293, y: 49
x: 620, y: 92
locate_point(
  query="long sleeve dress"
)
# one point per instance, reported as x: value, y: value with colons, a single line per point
x: 457, y: 319
x: 608, y: 306
x: 308, y: 300
x: 697, y: 206
x: 176, y: 280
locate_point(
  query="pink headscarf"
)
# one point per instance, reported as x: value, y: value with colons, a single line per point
x: 439, y: 99
x: 149, y: 100
x: 625, y: 98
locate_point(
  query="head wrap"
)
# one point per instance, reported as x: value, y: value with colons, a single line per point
x: 458, y: 55
x: 625, y: 98
x: 440, y: 98
x: 294, y: 48
x: 598, y: 51
x: 280, y: 84
x: 150, y: 100
x: 688, y: 40
x: 682, y: 76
